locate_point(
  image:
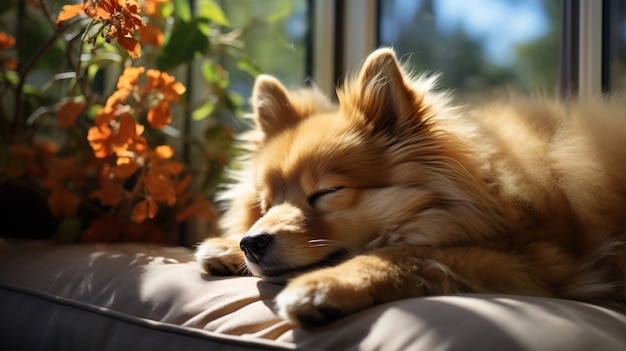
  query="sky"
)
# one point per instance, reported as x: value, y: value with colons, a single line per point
x: 500, y: 24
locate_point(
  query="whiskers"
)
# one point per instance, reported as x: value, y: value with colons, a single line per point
x: 353, y: 249
x: 243, y: 270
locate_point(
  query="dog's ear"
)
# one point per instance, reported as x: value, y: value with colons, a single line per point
x: 385, y: 98
x: 273, y: 110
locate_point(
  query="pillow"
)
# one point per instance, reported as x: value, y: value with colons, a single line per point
x: 142, y: 296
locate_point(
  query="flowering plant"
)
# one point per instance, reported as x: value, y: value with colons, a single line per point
x: 106, y: 162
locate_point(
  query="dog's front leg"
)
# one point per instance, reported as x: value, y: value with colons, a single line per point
x: 394, y: 273
x: 221, y: 256
x: 329, y: 293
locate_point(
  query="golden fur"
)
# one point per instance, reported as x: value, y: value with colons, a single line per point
x: 394, y: 193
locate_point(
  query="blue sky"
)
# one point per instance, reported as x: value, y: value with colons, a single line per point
x: 500, y: 24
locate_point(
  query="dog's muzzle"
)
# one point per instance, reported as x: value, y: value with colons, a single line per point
x: 254, y: 246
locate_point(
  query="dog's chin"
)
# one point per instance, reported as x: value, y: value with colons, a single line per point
x: 280, y: 272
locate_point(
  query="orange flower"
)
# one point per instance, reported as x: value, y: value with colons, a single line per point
x: 151, y: 35
x: 62, y: 202
x: 146, y: 231
x: 125, y: 167
x: 70, y: 11
x: 165, y: 89
x: 139, y: 145
x: 124, y: 136
x: 199, y: 207
x: 129, y: 78
x: 100, y: 140
x: 67, y: 170
x: 160, y: 115
x: 183, y: 184
x: 125, y: 132
x: 10, y: 64
x: 131, y: 45
x: 68, y: 112
x: 160, y: 189
x: 62, y: 171
x: 106, y: 114
x: 110, y: 229
x: 150, y: 7
x: 30, y: 159
x: 144, y: 209
x: 105, y: 229
x: 22, y: 158
x: 121, y: 17
x: 165, y: 85
x: 6, y: 41
x: 164, y: 151
x: 167, y: 168
x: 109, y: 193
x: 117, y: 103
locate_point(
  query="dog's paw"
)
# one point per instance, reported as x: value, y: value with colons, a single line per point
x: 220, y: 256
x: 320, y: 297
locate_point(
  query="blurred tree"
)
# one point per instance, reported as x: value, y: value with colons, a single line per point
x: 461, y: 59
x: 537, y: 63
x: 274, y: 34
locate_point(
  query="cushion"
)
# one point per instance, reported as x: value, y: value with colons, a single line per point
x: 149, y: 297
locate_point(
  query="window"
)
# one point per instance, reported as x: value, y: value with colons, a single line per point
x: 274, y: 34
x: 478, y: 46
x: 565, y: 47
x: 615, y: 34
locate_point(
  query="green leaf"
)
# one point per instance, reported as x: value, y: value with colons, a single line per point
x: 33, y: 90
x: 12, y: 77
x: 182, y: 10
x: 285, y: 9
x: 103, y: 59
x: 203, y: 27
x: 204, y: 111
x: 234, y: 101
x: 235, y: 98
x: 167, y: 9
x: 211, y: 10
x: 92, y: 111
x: 246, y: 65
x: 213, y: 73
x: 186, y: 41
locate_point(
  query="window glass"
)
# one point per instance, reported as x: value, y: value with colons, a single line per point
x: 616, y: 41
x: 477, y: 46
x: 274, y: 33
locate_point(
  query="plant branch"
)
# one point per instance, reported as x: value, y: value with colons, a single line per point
x: 19, y: 93
x: 43, y: 4
x: 80, y: 73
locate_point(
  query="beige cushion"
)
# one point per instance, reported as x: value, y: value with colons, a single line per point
x: 145, y: 297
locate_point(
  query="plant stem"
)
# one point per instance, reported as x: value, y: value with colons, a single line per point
x: 19, y: 93
x: 80, y: 77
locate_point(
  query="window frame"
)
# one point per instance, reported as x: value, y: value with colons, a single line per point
x: 590, y: 49
x: 346, y: 31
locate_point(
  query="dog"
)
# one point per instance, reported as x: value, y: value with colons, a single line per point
x: 394, y: 193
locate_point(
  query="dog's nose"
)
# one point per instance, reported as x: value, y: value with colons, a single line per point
x: 254, y: 246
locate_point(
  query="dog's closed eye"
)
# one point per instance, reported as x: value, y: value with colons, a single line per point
x: 316, y: 196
